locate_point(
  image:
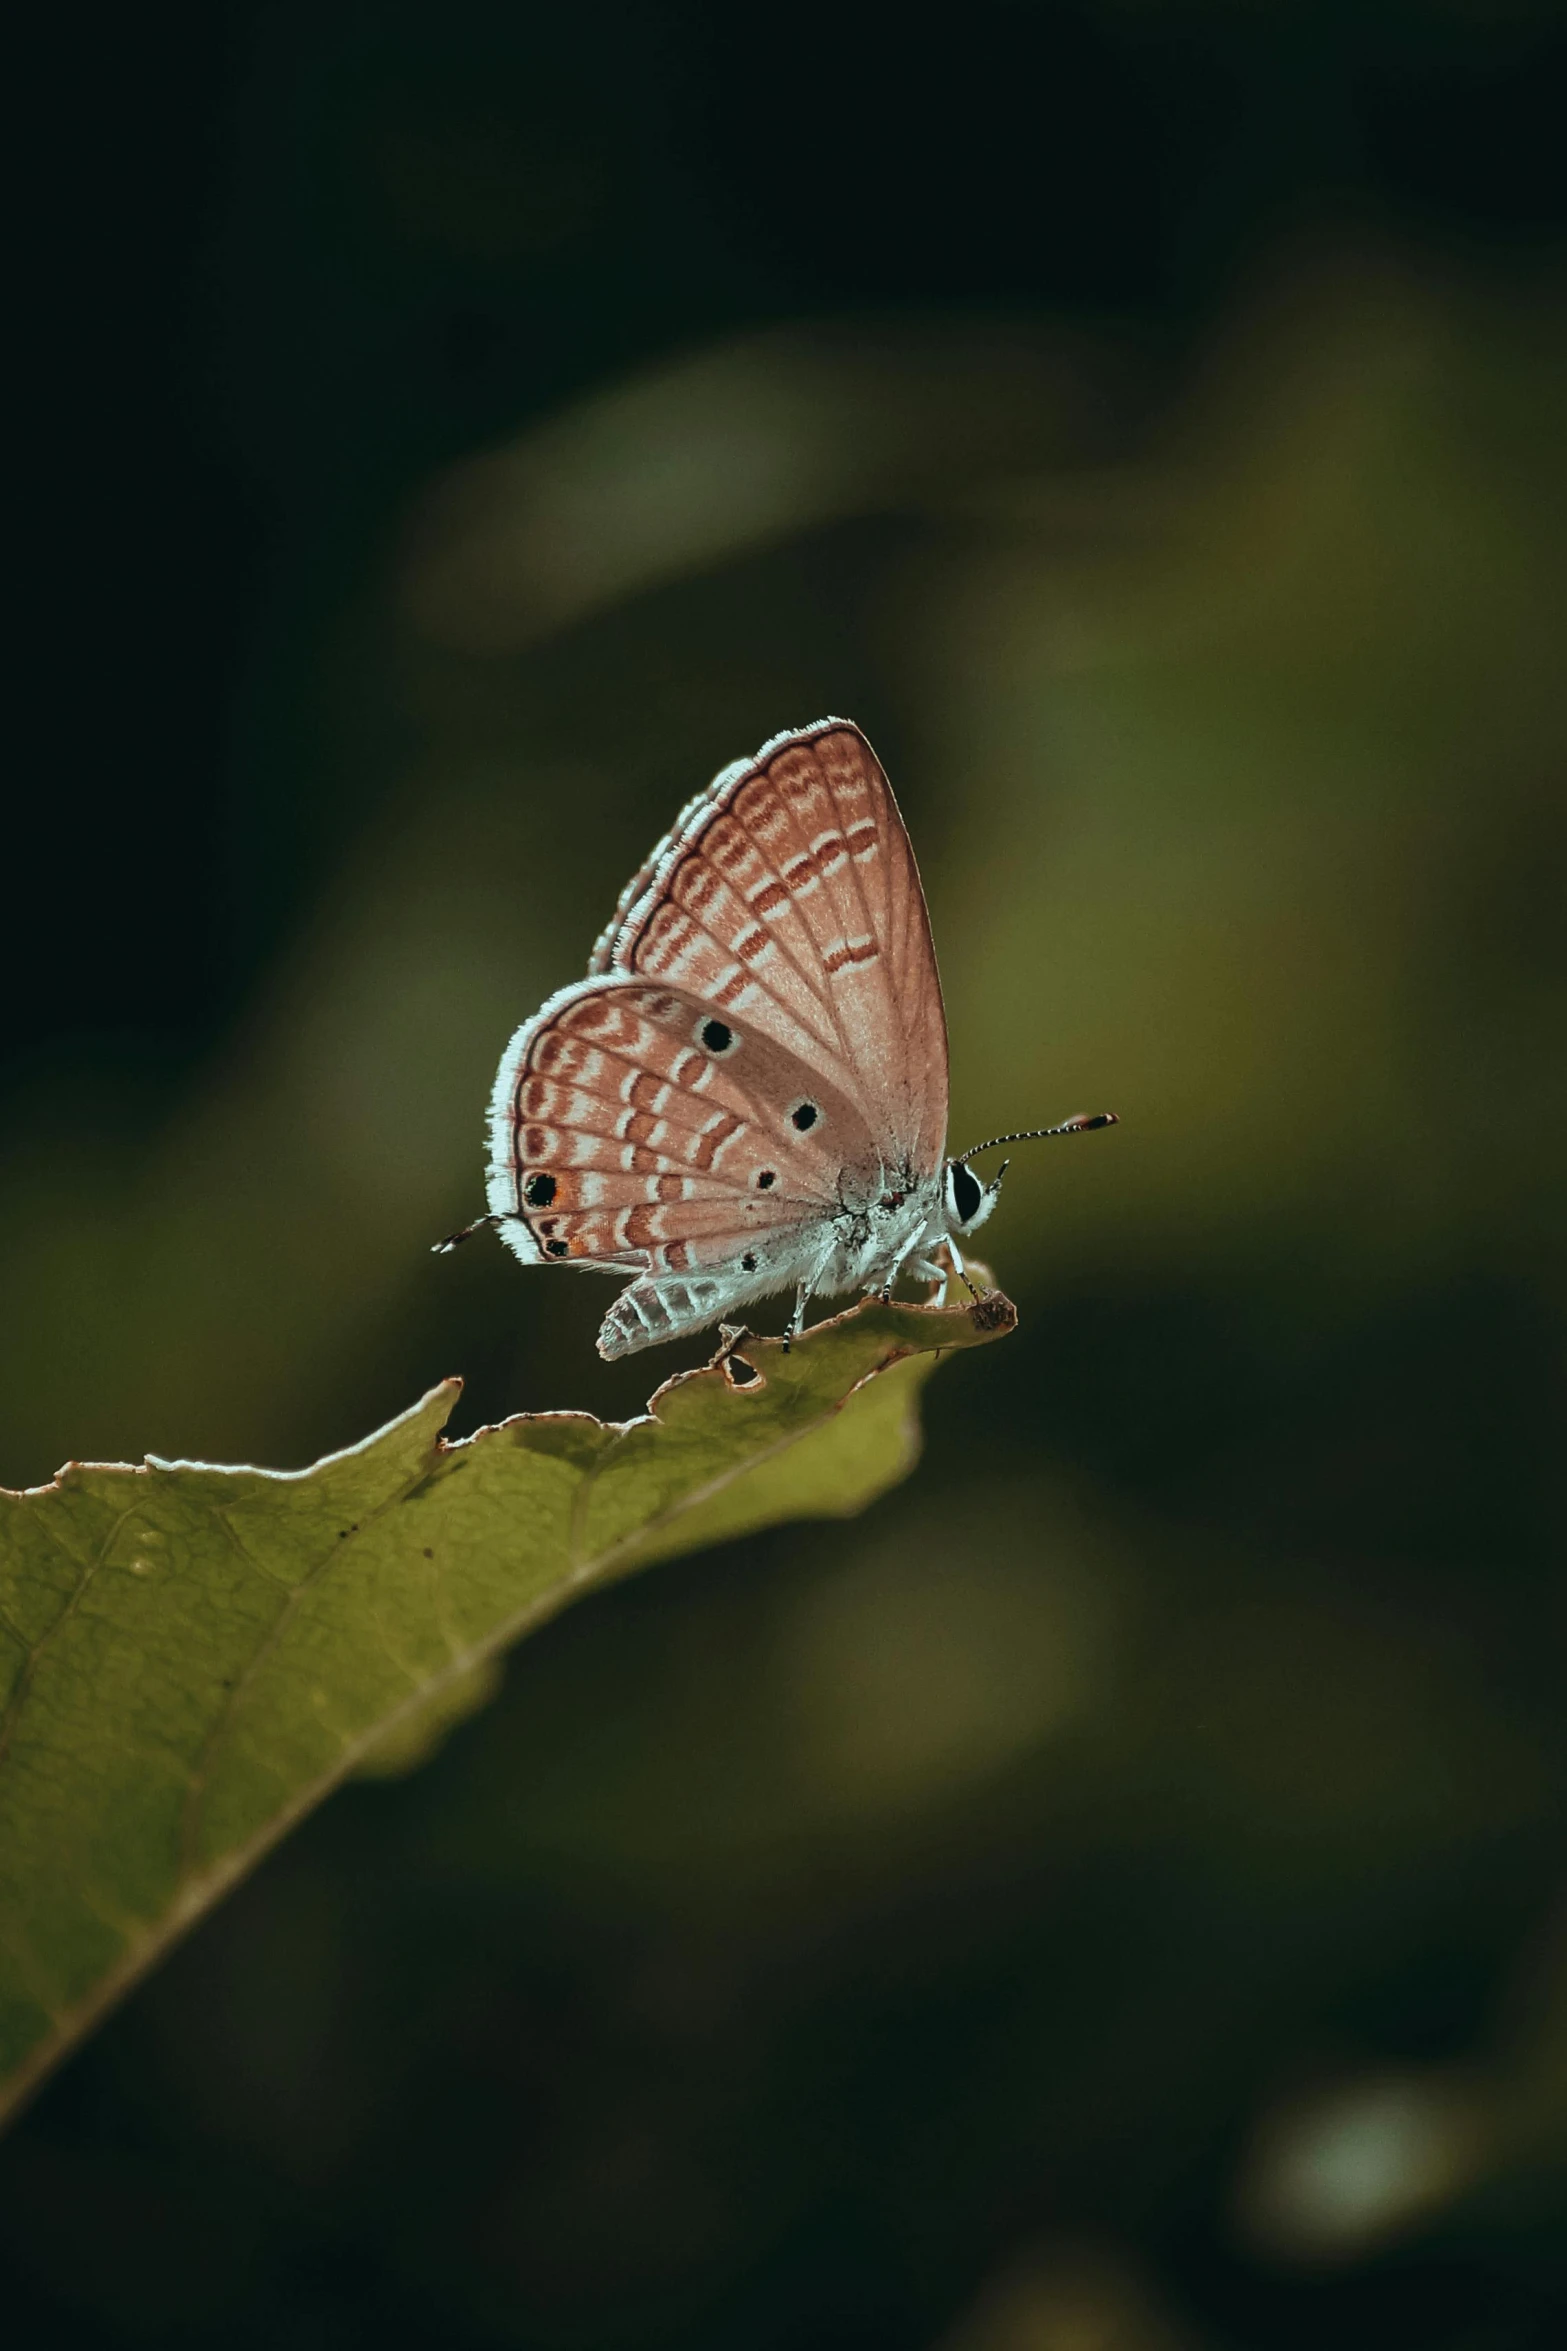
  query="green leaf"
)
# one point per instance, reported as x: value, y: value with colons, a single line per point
x: 192, y: 1657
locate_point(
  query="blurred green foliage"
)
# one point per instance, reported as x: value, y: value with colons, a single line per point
x: 1113, y: 1895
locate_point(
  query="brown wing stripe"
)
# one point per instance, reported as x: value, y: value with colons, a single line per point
x: 641, y: 1227
x: 852, y: 951
x: 706, y: 1148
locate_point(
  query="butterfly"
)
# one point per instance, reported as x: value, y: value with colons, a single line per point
x: 748, y: 1093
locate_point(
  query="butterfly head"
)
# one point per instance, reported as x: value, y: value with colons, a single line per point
x: 968, y: 1201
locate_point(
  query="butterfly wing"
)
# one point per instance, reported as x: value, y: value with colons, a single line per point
x: 634, y: 1130
x: 787, y: 896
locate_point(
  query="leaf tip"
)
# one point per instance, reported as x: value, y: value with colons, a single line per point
x: 992, y: 1314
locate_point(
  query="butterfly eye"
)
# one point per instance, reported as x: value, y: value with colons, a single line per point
x: 964, y: 1190
x: 539, y: 1190
x: 804, y: 1116
x: 717, y: 1036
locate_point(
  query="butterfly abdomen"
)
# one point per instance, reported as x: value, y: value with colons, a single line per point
x: 648, y: 1312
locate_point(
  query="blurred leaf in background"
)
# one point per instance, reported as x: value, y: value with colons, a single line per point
x: 1112, y: 1894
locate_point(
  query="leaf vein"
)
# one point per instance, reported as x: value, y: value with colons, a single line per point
x: 200, y: 1774
x: 25, y: 1679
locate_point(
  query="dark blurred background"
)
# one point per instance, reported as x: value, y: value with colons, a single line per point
x: 1113, y: 1897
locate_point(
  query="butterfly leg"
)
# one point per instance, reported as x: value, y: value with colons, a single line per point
x: 802, y: 1291
x: 956, y: 1255
x: 927, y: 1270
x: 883, y: 1289
x: 924, y: 1271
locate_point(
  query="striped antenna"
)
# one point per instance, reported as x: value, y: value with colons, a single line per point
x: 1081, y: 1125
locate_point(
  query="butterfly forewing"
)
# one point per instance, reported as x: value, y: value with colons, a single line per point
x: 788, y: 895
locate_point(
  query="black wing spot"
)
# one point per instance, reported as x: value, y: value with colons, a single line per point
x: 748, y: 1262
x: 558, y: 1248
x: 717, y: 1035
x: 804, y: 1116
x: 766, y: 1180
x: 540, y: 1190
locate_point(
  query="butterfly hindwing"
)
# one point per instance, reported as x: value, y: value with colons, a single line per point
x: 632, y: 1126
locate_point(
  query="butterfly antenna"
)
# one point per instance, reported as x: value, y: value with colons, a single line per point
x: 1081, y: 1125
x: 439, y: 1248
